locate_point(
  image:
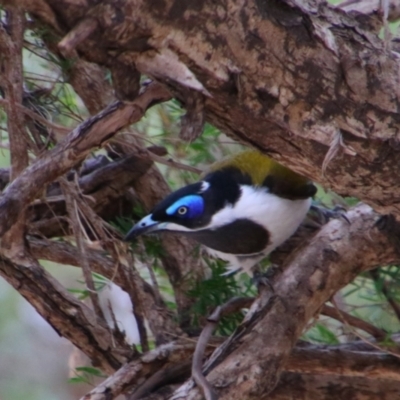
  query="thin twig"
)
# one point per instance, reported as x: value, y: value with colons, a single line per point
x: 231, y: 306
x: 68, y: 153
x: 98, y: 226
x: 197, y: 363
x: 72, y: 208
x: 155, y: 157
x: 31, y: 114
x: 349, y: 319
x: 372, y: 344
x: 386, y: 292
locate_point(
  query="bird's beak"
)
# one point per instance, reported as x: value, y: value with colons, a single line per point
x: 145, y: 225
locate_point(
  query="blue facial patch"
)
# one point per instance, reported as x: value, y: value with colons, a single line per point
x: 194, y: 207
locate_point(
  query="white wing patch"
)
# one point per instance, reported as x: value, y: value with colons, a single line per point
x: 204, y: 186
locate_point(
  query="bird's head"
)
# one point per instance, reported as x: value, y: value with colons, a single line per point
x: 219, y: 200
x: 186, y: 209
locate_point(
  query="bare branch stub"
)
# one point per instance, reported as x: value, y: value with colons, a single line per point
x: 192, y: 123
x: 77, y: 35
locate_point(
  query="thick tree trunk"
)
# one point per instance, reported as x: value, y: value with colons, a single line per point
x: 300, y: 80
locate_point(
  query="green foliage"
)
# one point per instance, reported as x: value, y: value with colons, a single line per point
x: 86, y: 375
x: 215, y: 291
x: 99, y: 282
x: 320, y: 333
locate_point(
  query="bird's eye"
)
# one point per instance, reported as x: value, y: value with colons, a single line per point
x: 182, y: 210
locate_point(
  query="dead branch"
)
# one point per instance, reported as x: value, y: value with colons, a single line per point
x: 88, y: 135
x: 66, y: 314
x: 160, y: 319
x: 107, y: 187
x: 131, y: 373
x: 306, y: 360
x: 335, y: 361
x: 72, y: 205
x: 358, y: 323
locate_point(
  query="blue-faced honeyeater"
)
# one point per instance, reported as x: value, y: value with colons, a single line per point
x: 241, y: 210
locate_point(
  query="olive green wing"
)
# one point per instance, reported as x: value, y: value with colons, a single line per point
x: 264, y: 171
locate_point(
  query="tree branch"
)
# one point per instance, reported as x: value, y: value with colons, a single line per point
x: 358, y: 323
x: 333, y: 360
x: 160, y: 319
x: 92, y: 133
x: 318, y: 76
x: 107, y: 187
x: 11, y: 46
x: 325, y: 362
x: 316, y: 387
x: 310, y: 277
x: 66, y: 314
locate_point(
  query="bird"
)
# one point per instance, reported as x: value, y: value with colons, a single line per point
x: 241, y: 209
